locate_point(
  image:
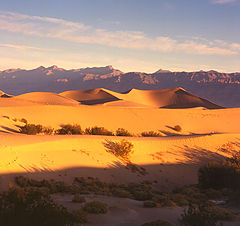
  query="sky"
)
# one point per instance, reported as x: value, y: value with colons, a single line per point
x: 130, y: 35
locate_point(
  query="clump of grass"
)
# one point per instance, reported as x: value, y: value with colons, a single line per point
x: 121, y: 149
x: 69, y: 129
x: 151, y: 134
x: 95, y: 207
x: 98, y: 131
x: 123, y: 132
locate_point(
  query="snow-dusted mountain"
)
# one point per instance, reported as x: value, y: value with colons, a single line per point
x: 222, y: 88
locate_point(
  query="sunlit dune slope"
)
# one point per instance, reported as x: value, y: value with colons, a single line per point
x: 165, y: 98
x: 46, y: 98
x: 171, y: 160
x: 134, y: 119
x: 89, y: 97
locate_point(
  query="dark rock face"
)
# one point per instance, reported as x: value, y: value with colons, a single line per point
x: 221, y: 88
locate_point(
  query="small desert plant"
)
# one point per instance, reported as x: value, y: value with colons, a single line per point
x: 96, y: 207
x: 80, y: 216
x: 149, y: 204
x: 206, y: 214
x: 179, y: 199
x: 122, y: 132
x: 177, y: 128
x: 69, y: 129
x: 48, y: 130
x: 151, y: 134
x: 120, y: 149
x: 219, y: 175
x: 157, y: 223
x: 78, y: 198
x: 27, y: 207
x: 23, y: 120
x: 98, y: 131
x: 31, y: 129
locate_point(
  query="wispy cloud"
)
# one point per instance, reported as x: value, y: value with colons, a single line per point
x: 55, y: 28
x: 24, y: 48
x: 223, y: 1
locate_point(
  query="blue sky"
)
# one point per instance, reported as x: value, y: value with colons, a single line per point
x: 131, y: 35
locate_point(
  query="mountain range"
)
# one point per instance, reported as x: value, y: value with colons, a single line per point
x: 221, y: 88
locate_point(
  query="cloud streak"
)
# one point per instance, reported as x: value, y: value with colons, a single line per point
x: 54, y: 28
x: 222, y: 1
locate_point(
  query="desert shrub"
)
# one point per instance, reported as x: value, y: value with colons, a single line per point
x: 120, y: 149
x: 122, y: 132
x: 80, y: 216
x: 52, y: 185
x: 92, y: 185
x: 141, y: 191
x: 121, y: 193
x: 31, y: 129
x: 98, y: 131
x: 179, y: 199
x: 30, y: 207
x: 157, y: 223
x: 149, y: 204
x: 219, y: 175
x: 23, y: 120
x: 192, y: 194
x: 177, y: 128
x: 96, y: 207
x: 48, y: 130
x: 69, y: 129
x: 78, y: 198
x: 151, y: 134
x: 206, y: 214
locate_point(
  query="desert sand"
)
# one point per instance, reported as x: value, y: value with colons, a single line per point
x: 171, y: 160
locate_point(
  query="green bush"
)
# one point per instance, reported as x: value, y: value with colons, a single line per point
x: 157, y: 223
x: 121, y: 149
x: 151, y: 134
x: 69, y: 129
x: 98, y: 131
x: 122, y: 132
x: 95, y: 207
x: 78, y: 198
x: 31, y: 129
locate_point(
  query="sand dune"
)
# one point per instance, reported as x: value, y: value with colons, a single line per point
x: 64, y: 157
x: 46, y: 98
x: 90, y: 97
x: 3, y: 94
x: 165, y: 98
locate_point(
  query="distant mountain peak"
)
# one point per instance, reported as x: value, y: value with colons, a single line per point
x: 160, y: 71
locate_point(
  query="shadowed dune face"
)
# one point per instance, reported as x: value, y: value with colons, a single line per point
x: 90, y: 97
x: 165, y: 98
